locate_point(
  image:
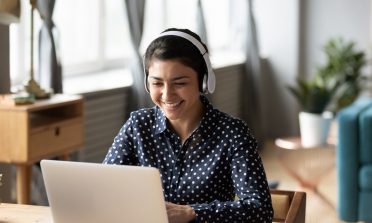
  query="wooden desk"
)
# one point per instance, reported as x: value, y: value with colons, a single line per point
x: 43, y: 130
x: 17, y: 213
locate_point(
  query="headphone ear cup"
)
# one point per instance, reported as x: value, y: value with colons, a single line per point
x: 146, y: 83
x: 145, y: 79
x: 205, y: 84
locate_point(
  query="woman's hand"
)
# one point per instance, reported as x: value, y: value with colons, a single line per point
x: 179, y: 213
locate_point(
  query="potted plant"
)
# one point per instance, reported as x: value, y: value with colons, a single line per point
x: 344, y: 65
x: 333, y: 87
x: 314, y: 96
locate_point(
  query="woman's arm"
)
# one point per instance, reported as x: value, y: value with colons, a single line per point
x: 250, y: 185
x: 121, y: 151
x: 179, y: 213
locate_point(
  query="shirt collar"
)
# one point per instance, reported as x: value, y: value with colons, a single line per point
x: 206, y: 126
x: 160, y: 121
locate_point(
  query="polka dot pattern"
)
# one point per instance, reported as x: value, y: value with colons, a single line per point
x: 218, y: 161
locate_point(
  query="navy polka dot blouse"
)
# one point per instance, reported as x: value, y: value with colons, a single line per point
x: 218, y: 161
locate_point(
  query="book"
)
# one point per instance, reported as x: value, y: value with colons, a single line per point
x: 17, y: 99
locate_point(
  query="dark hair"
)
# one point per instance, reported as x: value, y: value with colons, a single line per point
x: 179, y: 49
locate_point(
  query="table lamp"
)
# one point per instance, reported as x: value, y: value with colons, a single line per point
x: 10, y: 13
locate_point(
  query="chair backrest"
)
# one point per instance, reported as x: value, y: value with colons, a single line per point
x: 294, y: 200
x: 289, y: 206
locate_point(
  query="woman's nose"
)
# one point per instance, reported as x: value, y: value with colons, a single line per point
x: 167, y: 92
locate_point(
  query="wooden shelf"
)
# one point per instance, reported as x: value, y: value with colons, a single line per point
x: 43, y: 130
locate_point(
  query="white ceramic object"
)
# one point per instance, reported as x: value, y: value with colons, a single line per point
x: 315, y: 128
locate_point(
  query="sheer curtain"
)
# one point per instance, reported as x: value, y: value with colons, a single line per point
x: 50, y: 70
x: 201, y: 28
x: 135, y: 13
x: 251, y: 106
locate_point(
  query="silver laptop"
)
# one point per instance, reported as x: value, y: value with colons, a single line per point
x: 87, y: 192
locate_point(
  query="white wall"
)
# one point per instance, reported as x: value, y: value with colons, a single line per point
x: 278, y: 30
x: 291, y: 34
x: 325, y: 19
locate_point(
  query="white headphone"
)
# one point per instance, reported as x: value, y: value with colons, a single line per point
x: 209, y: 81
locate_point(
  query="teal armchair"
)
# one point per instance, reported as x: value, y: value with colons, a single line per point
x: 354, y: 162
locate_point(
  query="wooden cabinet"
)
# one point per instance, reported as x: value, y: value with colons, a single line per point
x: 46, y: 129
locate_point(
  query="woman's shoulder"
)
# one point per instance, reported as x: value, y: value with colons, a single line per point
x: 143, y: 115
x: 236, y: 127
x: 144, y: 112
x: 229, y: 120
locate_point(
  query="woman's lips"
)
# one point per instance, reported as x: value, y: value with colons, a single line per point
x: 172, y: 106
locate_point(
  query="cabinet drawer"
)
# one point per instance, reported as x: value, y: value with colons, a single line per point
x: 55, y: 139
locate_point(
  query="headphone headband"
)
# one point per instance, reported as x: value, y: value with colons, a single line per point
x: 186, y: 36
x: 211, y: 82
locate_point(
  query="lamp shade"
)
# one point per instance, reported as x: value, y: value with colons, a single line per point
x: 10, y: 11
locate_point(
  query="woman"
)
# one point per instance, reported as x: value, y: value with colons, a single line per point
x: 205, y: 157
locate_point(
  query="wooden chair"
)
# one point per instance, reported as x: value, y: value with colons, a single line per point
x: 289, y: 206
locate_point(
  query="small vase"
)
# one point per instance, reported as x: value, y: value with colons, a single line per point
x: 314, y: 128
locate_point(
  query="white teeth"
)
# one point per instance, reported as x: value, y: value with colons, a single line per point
x: 172, y: 105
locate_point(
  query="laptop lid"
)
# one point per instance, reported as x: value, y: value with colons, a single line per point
x: 87, y: 192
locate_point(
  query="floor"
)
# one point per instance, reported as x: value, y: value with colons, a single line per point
x: 317, y: 209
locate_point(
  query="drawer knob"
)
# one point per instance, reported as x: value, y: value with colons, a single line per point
x: 57, y: 131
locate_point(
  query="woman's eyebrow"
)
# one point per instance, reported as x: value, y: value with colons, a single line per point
x: 174, y: 79
x: 178, y: 78
x: 156, y: 78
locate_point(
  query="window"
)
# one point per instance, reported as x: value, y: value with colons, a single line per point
x: 162, y: 14
x: 20, y: 38
x: 94, y: 34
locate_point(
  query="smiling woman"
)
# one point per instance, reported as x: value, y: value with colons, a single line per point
x: 205, y: 157
x: 174, y: 89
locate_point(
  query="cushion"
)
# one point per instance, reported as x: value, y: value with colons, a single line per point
x: 365, y: 131
x: 365, y: 204
x: 365, y: 178
x: 280, y: 206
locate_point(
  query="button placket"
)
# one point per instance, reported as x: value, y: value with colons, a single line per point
x: 181, y: 164
x: 175, y: 169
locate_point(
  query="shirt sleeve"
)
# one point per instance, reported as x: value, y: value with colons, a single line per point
x: 250, y: 185
x: 122, y: 149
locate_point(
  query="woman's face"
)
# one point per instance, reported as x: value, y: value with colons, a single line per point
x: 174, y: 88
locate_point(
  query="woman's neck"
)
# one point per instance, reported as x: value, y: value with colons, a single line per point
x: 185, y: 126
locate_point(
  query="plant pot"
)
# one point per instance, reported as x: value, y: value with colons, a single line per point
x: 314, y: 128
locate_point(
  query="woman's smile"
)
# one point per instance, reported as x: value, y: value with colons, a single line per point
x: 175, y: 89
x: 172, y: 106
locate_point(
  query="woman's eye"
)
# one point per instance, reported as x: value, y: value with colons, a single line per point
x: 156, y: 83
x: 179, y: 83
